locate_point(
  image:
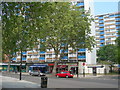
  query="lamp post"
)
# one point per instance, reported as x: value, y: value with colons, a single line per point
x: 21, y: 64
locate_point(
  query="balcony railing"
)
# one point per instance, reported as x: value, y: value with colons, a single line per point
x: 23, y: 59
x: 42, y: 58
x: 101, y: 32
x: 81, y: 56
x: 102, y: 45
x: 101, y: 25
x: 102, y: 41
x: 81, y: 50
x: 24, y: 52
x: 42, y: 52
x: 65, y: 57
x: 80, y: 4
x: 101, y: 29
x: 100, y: 17
x: 101, y: 37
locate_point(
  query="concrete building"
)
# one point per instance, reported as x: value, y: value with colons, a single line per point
x: 83, y: 55
x: 107, y: 27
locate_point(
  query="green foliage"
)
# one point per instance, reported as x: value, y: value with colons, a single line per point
x: 118, y: 46
x: 60, y: 24
x: 108, y: 53
x: 64, y: 24
x: 54, y: 23
x: 16, y: 28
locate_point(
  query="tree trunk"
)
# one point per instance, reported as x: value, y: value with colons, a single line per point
x: 55, y: 65
x: 8, y: 69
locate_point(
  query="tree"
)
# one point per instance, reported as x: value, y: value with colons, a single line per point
x: 118, y: 47
x: 17, y: 32
x: 63, y: 24
x: 55, y: 24
x: 108, y: 53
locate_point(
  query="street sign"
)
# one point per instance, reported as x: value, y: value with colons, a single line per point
x: 83, y: 64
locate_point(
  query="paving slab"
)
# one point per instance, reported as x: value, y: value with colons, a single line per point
x: 9, y: 82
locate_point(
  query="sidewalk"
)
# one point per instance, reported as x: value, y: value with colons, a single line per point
x: 88, y: 76
x: 8, y: 82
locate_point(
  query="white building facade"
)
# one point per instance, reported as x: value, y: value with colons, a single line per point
x: 107, y: 27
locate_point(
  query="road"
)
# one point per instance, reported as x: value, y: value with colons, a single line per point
x: 53, y: 82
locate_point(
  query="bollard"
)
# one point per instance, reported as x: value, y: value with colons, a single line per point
x: 44, y: 82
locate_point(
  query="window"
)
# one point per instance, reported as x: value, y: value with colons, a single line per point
x: 63, y: 72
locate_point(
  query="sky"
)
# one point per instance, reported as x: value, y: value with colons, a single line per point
x: 105, y: 6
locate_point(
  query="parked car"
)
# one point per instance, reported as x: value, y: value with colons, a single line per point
x: 64, y: 74
x: 37, y: 73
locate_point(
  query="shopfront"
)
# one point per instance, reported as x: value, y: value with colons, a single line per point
x: 61, y: 68
x: 73, y: 69
x: 13, y: 67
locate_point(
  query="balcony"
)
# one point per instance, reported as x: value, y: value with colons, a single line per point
x: 81, y: 50
x: 102, y: 37
x: 65, y: 57
x: 101, y: 21
x: 30, y: 53
x: 72, y: 58
x: 117, y: 23
x: 82, y: 57
x: 101, y: 29
x: 101, y: 45
x: 35, y: 59
x: 24, y: 53
x: 49, y: 52
x: 101, y: 33
x: 35, y: 53
x: 14, y: 59
x: 102, y: 41
x: 80, y: 4
x: 117, y: 27
x: 29, y: 60
x: 100, y: 17
x: 101, y: 25
x: 23, y: 59
x: 48, y: 58
x: 111, y: 16
x: 66, y: 51
x: 117, y: 15
x: 42, y: 52
x: 42, y: 58
x: 117, y: 19
x: 18, y: 59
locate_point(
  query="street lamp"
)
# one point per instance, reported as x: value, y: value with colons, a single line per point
x: 21, y: 65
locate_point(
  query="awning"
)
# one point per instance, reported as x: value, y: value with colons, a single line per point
x: 74, y: 65
x: 51, y: 64
x: 38, y: 66
x: 61, y: 66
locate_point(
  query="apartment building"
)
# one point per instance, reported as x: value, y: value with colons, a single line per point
x: 107, y: 27
x: 37, y: 56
